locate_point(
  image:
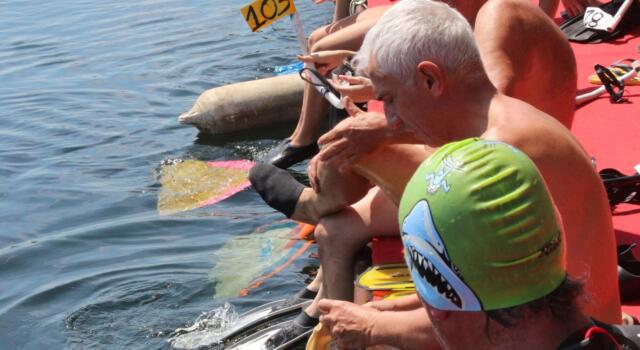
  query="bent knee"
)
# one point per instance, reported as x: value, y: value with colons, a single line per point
x: 317, y: 46
x: 345, y: 188
x: 326, y: 232
x: 316, y: 36
x: 332, y: 231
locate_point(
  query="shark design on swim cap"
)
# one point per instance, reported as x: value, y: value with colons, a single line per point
x: 479, y: 228
x: 428, y: 261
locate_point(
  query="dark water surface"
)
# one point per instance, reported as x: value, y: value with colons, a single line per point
x: 89, y: 97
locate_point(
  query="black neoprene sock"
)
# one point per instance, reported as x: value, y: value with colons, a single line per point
x: 306, y: 293
x: 306, y: 321
x: 276, y: 187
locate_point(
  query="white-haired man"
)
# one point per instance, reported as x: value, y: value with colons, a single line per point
x: 439, y: 91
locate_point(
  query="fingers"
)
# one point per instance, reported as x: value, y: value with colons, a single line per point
x: 328, y: 137
x: 377, y: 305
x: 348, y: 83
x: 352, y: 79
x: 350, y: 106
x: 325, y: 305
x: 313, y: 174
x: 306, y: 58
x: 347, y: 164
x: 347, y: 90
x: 333, y: 149
x: 350, y: 91
x: 322, y: 56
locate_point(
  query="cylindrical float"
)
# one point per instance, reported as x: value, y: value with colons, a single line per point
x: 246, y: 105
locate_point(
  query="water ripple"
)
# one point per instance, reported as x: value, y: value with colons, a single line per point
x: 89, y: 99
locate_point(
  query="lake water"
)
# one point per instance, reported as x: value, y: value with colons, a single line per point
x: 89, y: 100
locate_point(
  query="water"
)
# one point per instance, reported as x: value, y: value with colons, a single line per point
x: 89, y: 100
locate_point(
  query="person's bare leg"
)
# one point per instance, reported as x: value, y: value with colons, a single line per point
x: 339, y: 190
x: 317, y: 281
x: 346, y: 34
x: 340, y: 236
x: 312, y: 309
x: 314, y: 109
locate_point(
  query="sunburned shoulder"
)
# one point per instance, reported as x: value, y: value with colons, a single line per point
x: 510, y: 17
x: 501, y: 8
x: 522, y: 125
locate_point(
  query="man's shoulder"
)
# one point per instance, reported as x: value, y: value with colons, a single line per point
x: 517, y: 122
x: 514, y: 14
x: 503, y: 8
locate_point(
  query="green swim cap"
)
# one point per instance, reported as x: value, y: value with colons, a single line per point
x: 479, y: 229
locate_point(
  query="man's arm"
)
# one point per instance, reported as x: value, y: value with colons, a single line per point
x: 409, y: 302
x: 405, y: 330
x: 357, y: 326
x: 359, y: 135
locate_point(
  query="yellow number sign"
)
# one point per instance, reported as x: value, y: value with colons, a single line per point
x: 262, y: 13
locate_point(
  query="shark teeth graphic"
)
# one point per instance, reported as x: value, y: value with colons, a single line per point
x: 429, y: 273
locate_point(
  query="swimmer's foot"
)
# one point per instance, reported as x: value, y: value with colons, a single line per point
x: 301, y: 325
x: 277, y: 187
x: 300, y: 297
x: 282, y: 192
x: 286, y: 155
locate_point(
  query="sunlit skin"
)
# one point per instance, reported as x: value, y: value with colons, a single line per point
x: 408, y: 109
x: 412, y: 105
x: 347, y: 34
x: 511, y: 121
x: 541, y: 331
x: 486, y: 113
x: 431, y: 105
x: 314, y: 107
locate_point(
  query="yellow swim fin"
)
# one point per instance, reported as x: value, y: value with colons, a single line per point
x: 386, y: 277
x: 395, y: 294
x: 320, y: 338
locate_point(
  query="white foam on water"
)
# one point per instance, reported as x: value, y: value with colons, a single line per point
x: 206, y: 331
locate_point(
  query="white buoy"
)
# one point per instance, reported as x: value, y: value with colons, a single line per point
x: 247, y: 105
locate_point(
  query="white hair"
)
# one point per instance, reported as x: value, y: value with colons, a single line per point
x: 417, y: 30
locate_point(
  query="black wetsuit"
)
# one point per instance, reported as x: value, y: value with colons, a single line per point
x: 601, y: 336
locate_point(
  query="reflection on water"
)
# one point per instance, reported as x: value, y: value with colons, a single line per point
x: 89, y: 101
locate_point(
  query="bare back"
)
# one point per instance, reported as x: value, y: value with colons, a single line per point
x: 577, y: 192
x: 575, y: 187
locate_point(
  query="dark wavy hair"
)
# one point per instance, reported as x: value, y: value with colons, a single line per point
x: 561, y: 304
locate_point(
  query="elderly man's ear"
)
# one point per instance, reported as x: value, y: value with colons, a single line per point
x: 431, y: 77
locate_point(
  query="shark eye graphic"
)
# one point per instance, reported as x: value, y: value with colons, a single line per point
x: 433, y: 273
